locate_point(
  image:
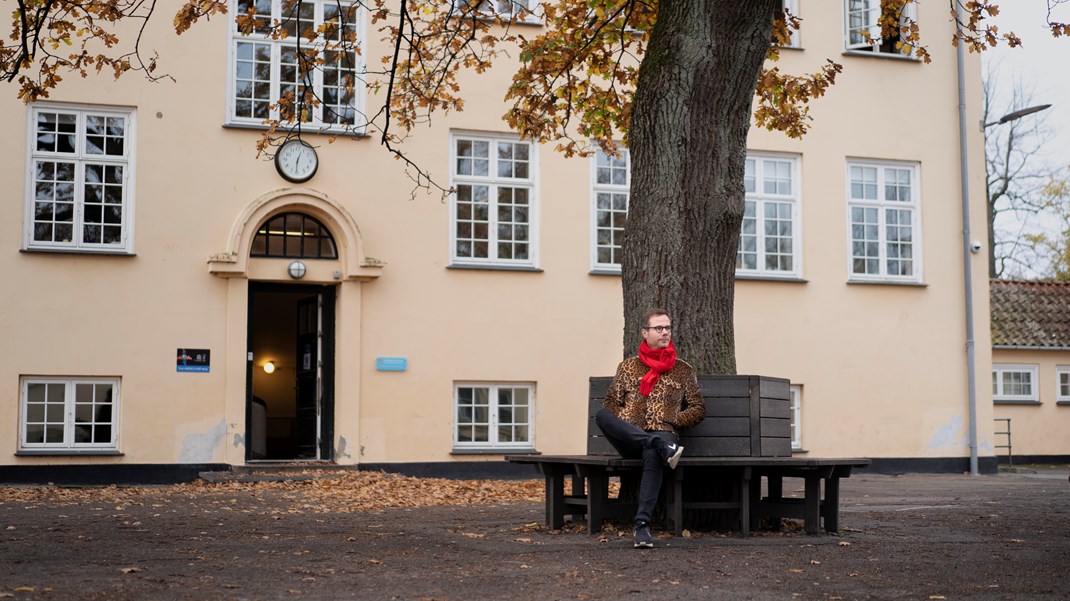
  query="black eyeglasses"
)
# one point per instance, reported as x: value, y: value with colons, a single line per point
x: 659, y: 329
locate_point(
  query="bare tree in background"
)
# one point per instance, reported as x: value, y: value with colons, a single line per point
x: 1016, y: 177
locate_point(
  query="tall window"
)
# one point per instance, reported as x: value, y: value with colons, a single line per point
x: 491, y: 416
x: 863, y: 31
x: 306, y: 54
x: 493, y: 209
x: 796, y: 417
x: 1014, y: 383
x: 526, y: 11
x: 610, y: 206
x: 768, y: 243
x: 1062, y: 376
x: 72, y: 414
x: 81, y: 167
x: 882, y: 202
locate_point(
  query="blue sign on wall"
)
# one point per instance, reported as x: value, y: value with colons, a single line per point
x: 391, y: 363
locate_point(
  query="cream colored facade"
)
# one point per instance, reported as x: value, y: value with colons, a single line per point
x: 1038, y: 425
x: 881, y: 367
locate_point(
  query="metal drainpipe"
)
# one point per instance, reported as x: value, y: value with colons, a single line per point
x: 967, y: 272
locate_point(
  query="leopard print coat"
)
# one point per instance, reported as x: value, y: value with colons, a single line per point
x: 674, y: 404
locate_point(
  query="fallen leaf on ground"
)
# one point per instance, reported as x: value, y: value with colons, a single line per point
x: 130, y: 570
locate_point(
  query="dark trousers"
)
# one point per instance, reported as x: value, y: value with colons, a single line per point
x: 633, y: 442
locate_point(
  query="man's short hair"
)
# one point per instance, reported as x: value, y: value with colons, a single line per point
x: 653, y: 313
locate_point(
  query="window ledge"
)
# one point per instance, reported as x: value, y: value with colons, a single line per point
x: 474, y: 451
x: 1011, y: 402
x: 1063, y: 403
x: 887, y: 283
x: 604, y: 271
x: 769, y: 278
x: 494, y: 267
x: 895, y: 56
x: 78, y: 251
x: 305, y: 130
x: 799, y: 451
x: 68, y: 453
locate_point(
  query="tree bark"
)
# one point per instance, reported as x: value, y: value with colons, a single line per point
x: 688, y: 141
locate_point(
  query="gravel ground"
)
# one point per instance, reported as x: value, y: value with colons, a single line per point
x: 902, y: 537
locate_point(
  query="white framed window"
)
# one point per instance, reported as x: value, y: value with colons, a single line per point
x: 768, y: 240
x: 796, y: 417
x: 493, y: 415
x: 68, y: 413
x: 862, y: 30
x: 525, y: 11
x: 266, y: 65
x: 609, y: 208
x: 493, y: 211
x: 81, y: 174
x: 792, y: 6
x: 1062, y: 386
x: 1014, y: 383
x: 884, y: 221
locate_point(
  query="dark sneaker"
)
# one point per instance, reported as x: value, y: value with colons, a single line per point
x: 674, y: 451
x: 643, y: 539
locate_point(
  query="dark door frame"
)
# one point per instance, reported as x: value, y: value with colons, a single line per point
x: 330, y: 295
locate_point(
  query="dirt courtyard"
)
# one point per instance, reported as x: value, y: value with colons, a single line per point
x: 370, y: 536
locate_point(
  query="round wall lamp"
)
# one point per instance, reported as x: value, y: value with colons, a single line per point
x: 269, y: 367
x: 297, y: 270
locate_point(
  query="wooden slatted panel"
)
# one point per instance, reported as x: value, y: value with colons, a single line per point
x: 746, y: 416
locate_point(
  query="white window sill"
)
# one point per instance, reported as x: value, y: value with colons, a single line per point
x: 68, y: 452
x: 888, y: 283
x: 604, y: 271
x: 79, y: 251
x: 770, y: 278
x: 306, y: 129
x: 493, y: 267
x: 494, y: 451
x: 889, y: 55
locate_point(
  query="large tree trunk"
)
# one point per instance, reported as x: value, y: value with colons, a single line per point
x: 688, y: 142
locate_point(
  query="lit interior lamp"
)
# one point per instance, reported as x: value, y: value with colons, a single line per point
x: 269, y: 367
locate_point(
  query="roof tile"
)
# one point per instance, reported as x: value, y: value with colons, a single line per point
x: 1030, y: 314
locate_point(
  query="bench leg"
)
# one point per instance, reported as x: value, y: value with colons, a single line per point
x: 744, y: 500
x: 555, y: 501
x: 812, y: 505
x: 674, y: 506
x: 775, y: 482
x: 597, y: 497
x: 831, y: 507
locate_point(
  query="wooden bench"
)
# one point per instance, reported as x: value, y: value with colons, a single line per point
x: 744, y: 438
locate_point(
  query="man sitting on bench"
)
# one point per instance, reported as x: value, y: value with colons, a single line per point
x: 652, y: 396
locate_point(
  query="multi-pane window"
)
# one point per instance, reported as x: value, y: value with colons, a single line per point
x: 792, y: 6
x: 1014, y: 383
x: 493, y: 208
x: 295, y: 236
x: 610, y: 193
x: 863, y: 29
x: 308, y: 54
x: 493, y: 415
x: 81, y: 196
x: 768, y: 243
x: 882, y: 204
x: 796, y: 417
x: 525, y: 11
x: 1062, y: 376
x: 75, y: 414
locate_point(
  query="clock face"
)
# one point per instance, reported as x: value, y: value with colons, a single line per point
x: 296, y: 161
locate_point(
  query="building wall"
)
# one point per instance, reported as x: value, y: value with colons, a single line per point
x: 882, y: 367
x: 1037, y: 428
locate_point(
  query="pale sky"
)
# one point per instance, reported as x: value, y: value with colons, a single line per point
x: 1043, y: 62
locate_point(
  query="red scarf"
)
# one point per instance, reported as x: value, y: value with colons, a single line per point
x: 659, y: 361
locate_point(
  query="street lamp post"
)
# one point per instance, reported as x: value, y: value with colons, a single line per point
x: 967, y: 243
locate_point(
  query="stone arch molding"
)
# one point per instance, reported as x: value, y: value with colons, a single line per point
x: 234, y: 260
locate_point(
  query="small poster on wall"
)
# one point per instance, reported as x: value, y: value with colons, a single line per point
x: 194, y: 359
